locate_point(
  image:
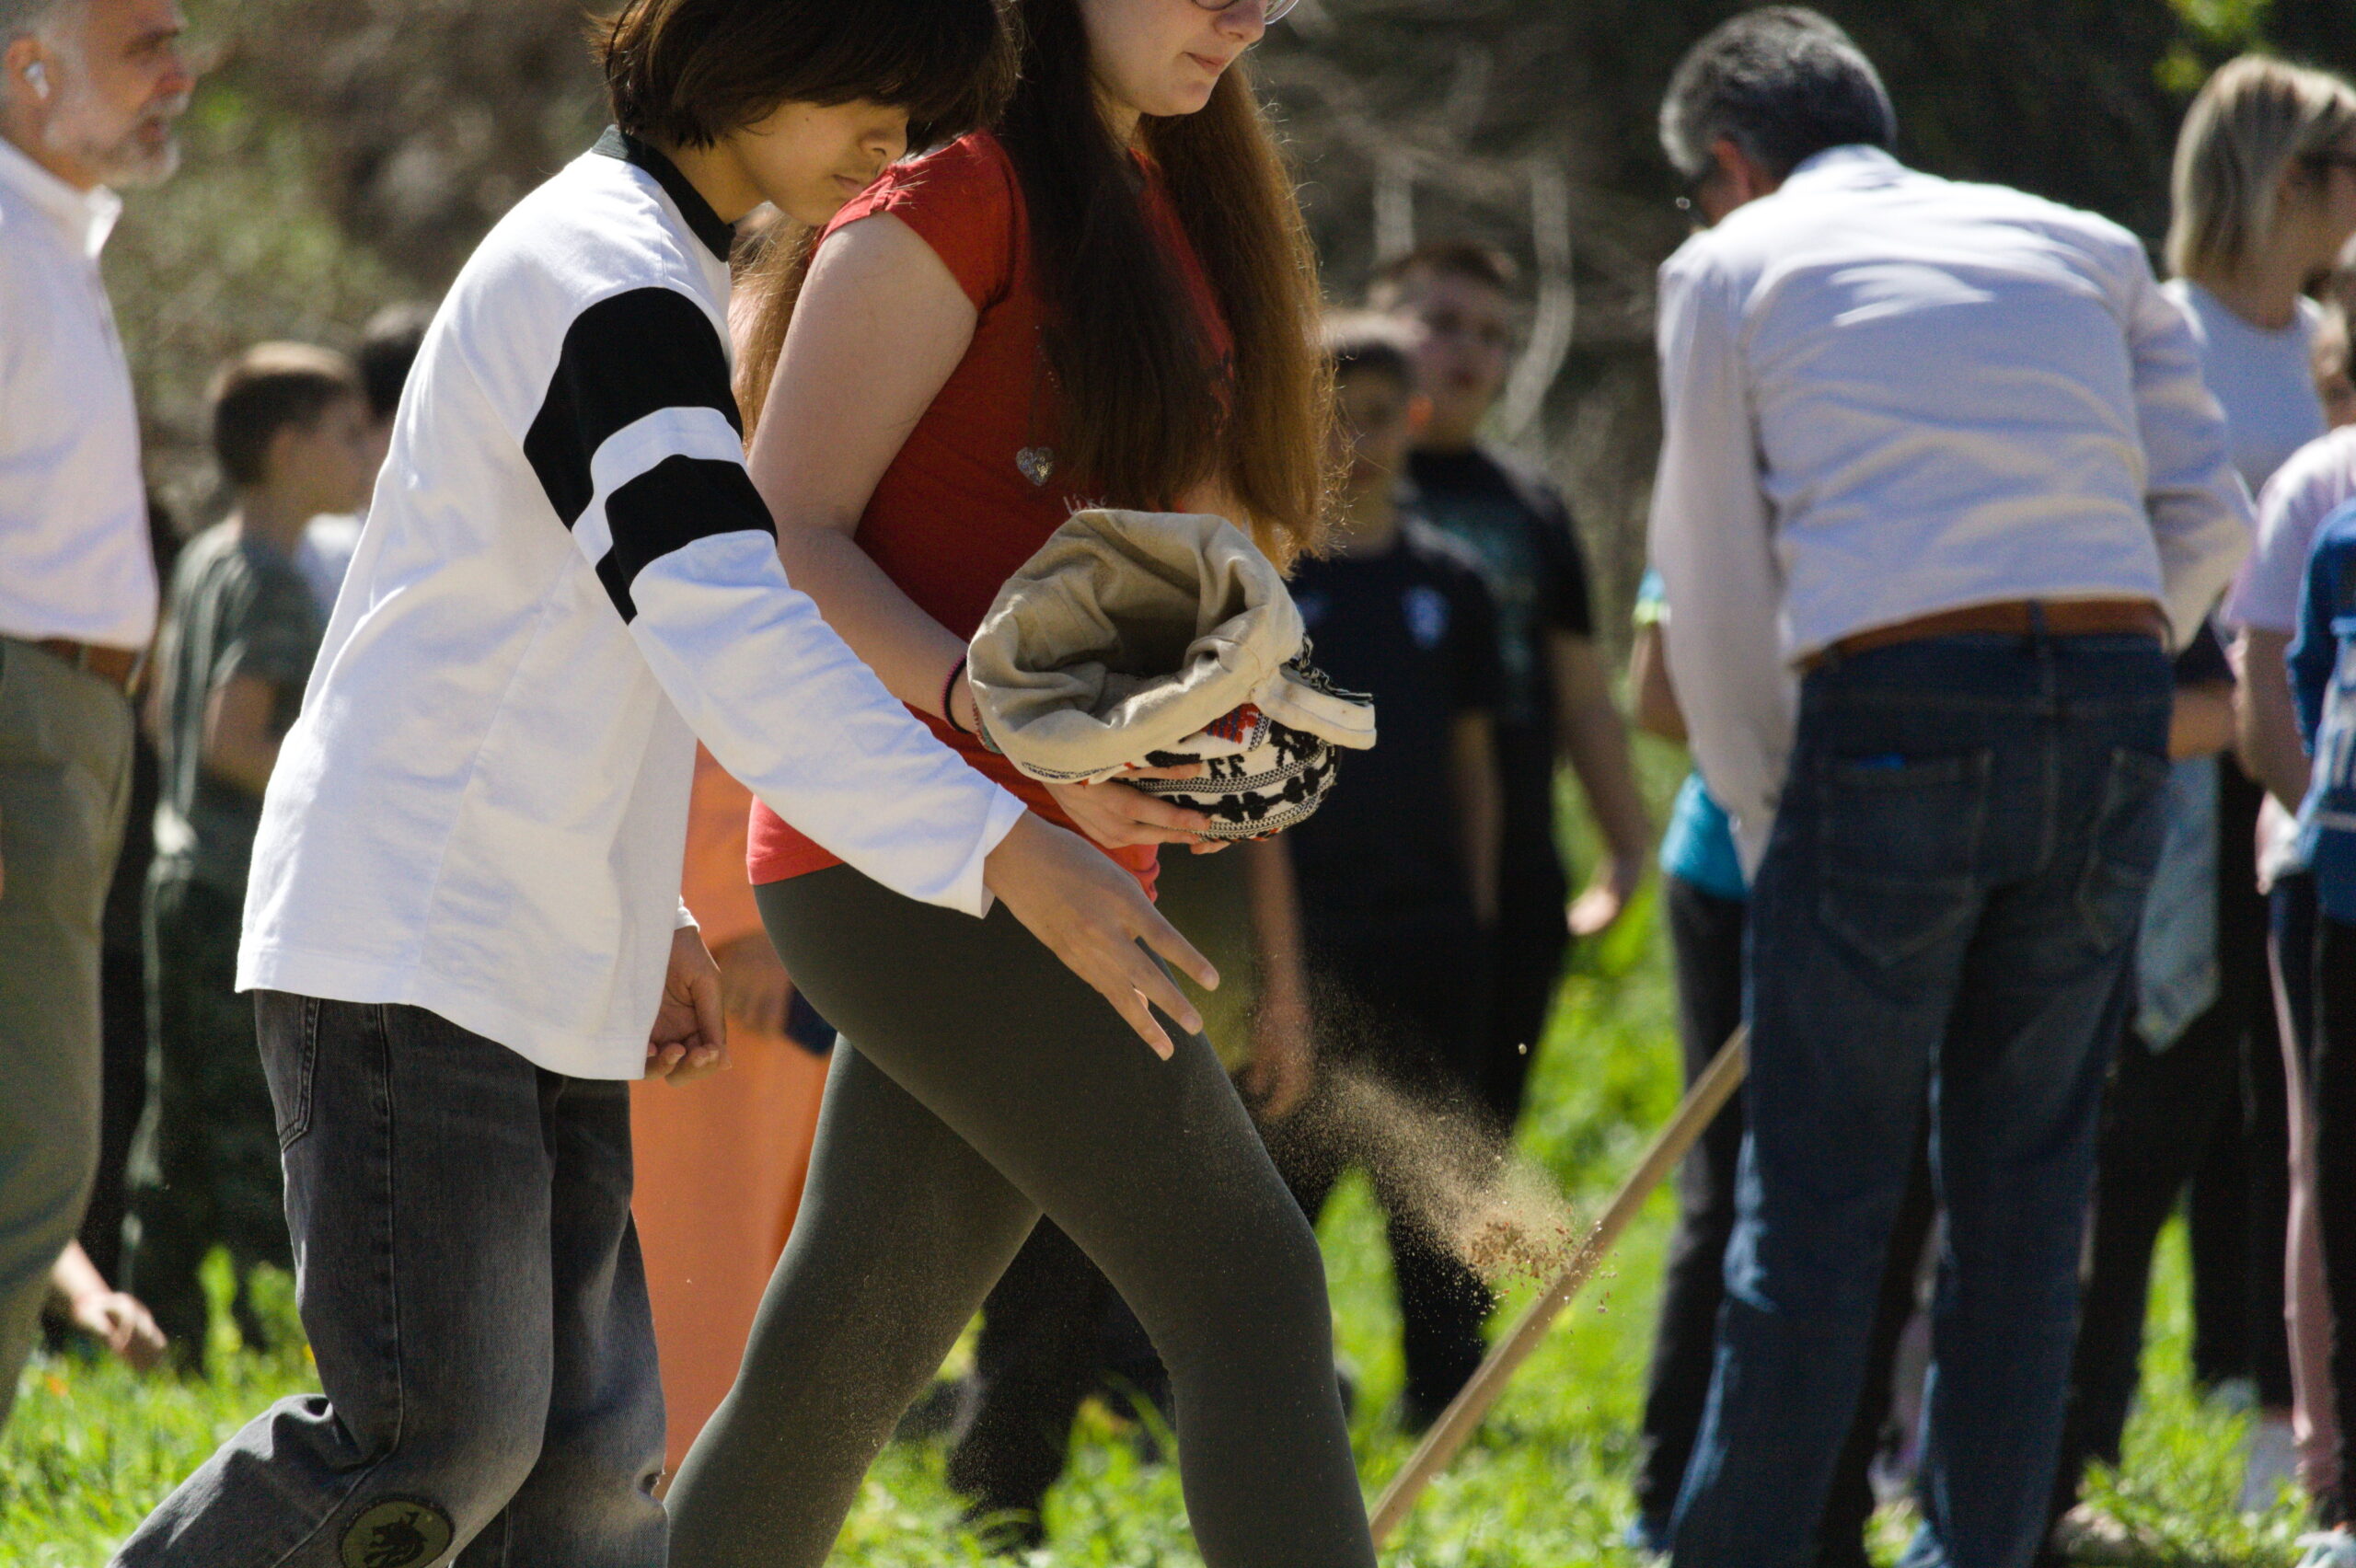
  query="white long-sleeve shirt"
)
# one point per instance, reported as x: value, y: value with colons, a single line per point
x: 1888, y: 395
x: 566, y: 576
x: 74, y: 560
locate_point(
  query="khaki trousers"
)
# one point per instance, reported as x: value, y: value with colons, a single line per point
x: 65, y: 781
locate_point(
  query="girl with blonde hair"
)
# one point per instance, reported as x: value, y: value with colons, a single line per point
x: 2265, y: 198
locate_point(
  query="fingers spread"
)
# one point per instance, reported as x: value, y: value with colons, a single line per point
x: 1149, y: 981
x: 1162, y: 937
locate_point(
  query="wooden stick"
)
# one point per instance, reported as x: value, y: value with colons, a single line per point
x: 1462, y: 1418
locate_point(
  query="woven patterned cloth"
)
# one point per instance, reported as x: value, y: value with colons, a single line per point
x: 1151, y: 639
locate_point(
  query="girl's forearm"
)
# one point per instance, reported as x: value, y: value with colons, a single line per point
x: 911, y: 651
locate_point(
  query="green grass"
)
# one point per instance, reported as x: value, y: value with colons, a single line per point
x: 1544, y: 1485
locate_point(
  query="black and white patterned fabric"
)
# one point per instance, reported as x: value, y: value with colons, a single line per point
x: 1262, y: 777
x: 1136, y: 639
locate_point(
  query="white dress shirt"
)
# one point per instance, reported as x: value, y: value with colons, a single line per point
x: 1888, y: 395
x: 74, y: 560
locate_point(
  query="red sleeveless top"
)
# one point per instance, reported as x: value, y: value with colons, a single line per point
x: 954, y: 515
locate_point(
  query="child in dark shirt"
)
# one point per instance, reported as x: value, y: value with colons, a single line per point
x: 290, y: 429
x: 1397, y: 873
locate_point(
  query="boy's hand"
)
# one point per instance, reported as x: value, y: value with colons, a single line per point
x: 690, y: 1035
x: 1091, y: 914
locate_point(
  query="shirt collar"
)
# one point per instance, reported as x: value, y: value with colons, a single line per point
x: 718, y: 238
x: 85, y: 217
x: 1857, y: 162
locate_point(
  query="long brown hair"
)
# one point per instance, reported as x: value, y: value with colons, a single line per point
x: 1141, y: 411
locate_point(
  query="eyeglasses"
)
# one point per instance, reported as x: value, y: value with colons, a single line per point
x: 1271, y: 11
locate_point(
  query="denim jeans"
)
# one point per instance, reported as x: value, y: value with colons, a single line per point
x: 1943, y: 918
x: 471, y: 1282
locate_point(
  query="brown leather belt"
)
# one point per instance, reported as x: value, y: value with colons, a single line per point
x: 113, y: 665
x: 2016, y: 617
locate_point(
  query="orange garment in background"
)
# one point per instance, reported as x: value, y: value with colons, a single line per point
x: 721, y: 1161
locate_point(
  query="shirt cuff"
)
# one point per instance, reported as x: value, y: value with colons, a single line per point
x: 686, y: 919
x: 974, y: 895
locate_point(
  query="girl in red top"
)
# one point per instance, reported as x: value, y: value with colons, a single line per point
x: 1110, y: 299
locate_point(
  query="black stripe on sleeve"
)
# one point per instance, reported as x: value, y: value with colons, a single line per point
x: 624, y: 357
x: 673, y: 504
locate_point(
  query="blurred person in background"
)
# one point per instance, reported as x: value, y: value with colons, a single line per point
x: 289, y: 431
x: 389, y: 346
x: 1397, y: 875
x: 2309, y: 486
x: 2264, y: 200
x: 1944, y: 474
x: 1556, y: 704
x: 88, y: 92
x: 122, y: 984
x: 2323, y: 675
x: 1705, y: 902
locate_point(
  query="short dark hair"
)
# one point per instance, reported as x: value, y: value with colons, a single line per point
x: 268, y: 388
x: 687, y: 72
x: 1467, y: 258
x: 1360, y: 341
x: 389, y: 347
x: 1782, y: 82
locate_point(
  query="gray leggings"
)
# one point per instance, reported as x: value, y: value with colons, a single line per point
x: 981, y: 1083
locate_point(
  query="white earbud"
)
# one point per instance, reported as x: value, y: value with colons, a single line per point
x: 37, y: 75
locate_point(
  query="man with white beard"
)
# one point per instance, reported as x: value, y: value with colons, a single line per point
x: 88, y: 91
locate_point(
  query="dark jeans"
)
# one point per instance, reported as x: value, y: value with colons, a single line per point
x: 2159, y: 1113
x: 1954, y: 881
x: 2333, y: 1094
x: 1707, y: 932
x: 205, y: 1166
x: 471, y: 1285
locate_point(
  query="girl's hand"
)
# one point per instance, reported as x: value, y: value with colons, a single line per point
x: 1118, y: 818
